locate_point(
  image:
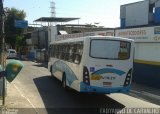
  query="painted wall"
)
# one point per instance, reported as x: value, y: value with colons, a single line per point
x: 147, y: 41
x: 147, y: 51
x: 147, y: 54
x: 143, y: 34
x: 137, y: 13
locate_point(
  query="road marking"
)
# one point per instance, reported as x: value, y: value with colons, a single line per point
x: 26, y: 98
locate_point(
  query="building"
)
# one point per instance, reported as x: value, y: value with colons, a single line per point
x: 73, y: 28
x: 141, y: 21
x: 141, y: 13
x: 41, y: 37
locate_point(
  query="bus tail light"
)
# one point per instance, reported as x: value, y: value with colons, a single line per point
x: 86, y: 78
x: 128, y: 78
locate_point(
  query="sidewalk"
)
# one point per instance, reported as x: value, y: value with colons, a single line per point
x: 146, y: 93
x: 16, y: 102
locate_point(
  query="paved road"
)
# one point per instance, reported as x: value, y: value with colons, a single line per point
x: 36, y: 92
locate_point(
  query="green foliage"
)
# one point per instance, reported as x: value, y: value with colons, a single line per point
x: 11, y: 31
x: 20, y: 41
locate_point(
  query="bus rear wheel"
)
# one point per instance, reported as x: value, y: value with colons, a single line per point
x: 52, y: 76
x: 64, y: 81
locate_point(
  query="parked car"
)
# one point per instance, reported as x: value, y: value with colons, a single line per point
x: 11, y: 53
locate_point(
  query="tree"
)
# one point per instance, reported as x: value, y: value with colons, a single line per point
x: 20, y: 41
x: 11, y: 32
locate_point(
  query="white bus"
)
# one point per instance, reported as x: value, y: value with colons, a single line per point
x: 99, y: 64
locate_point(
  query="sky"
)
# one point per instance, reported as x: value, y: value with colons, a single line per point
x: 104, y: 12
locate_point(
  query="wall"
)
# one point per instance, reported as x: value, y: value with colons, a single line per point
x: 34, y: 38
x: 41, y: 37
x: 157, y: 13
x: 52, y: 32
x: 147, y: 54
x: 141, y: 34
x: 147, y: 51
x: 146, y: 39
x: 135, y: 14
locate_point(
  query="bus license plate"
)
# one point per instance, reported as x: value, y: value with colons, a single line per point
x: 107, y: 84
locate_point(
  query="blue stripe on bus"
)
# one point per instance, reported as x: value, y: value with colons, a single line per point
x: 61, y: 66
x: 109, y: 70
x: 88, y: 88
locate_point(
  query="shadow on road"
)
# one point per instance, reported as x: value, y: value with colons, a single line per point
x: 59, y: 101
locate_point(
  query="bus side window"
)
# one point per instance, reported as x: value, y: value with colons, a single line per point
x: 71, y: 53
x: 60, y: 51
x: 78, y: 53
x: 49, y: 51
x: 77, y: 59
x: 56, y: 51
x: 74, y: 53
x: 53, y: 51
x: 81, y: 49
x: 66, y: 53
x: 63, y: 51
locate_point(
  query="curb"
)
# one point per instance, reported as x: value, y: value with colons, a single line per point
x: 151, y: 95
x: 146, y: 96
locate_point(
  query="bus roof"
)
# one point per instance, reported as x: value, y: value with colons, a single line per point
x: 92, y: 37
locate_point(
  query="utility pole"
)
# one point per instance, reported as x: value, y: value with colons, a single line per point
x: 1, y: 30
x: 2, y: 46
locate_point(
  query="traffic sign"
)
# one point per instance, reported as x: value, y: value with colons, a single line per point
x: 21, y: 23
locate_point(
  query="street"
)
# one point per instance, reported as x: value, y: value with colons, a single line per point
x: 34, y: 91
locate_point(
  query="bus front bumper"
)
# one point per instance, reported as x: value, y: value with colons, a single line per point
x: 106, y: 90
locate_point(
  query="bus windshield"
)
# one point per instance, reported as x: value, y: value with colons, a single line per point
x: 110, y: 49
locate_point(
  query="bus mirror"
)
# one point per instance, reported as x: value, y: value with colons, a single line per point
x: 12, y: 69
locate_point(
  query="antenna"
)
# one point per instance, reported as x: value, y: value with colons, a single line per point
x: 52, y: 6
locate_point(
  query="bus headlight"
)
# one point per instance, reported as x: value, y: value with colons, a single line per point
x: 86, y: 79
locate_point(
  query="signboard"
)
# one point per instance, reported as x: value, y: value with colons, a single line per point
x: 21, y: 24
x: 144, y: 34
x: 78, y: 35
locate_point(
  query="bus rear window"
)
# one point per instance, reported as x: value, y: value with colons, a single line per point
x: 110, y: 49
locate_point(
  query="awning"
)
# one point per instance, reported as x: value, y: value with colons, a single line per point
x: 55, y: 19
